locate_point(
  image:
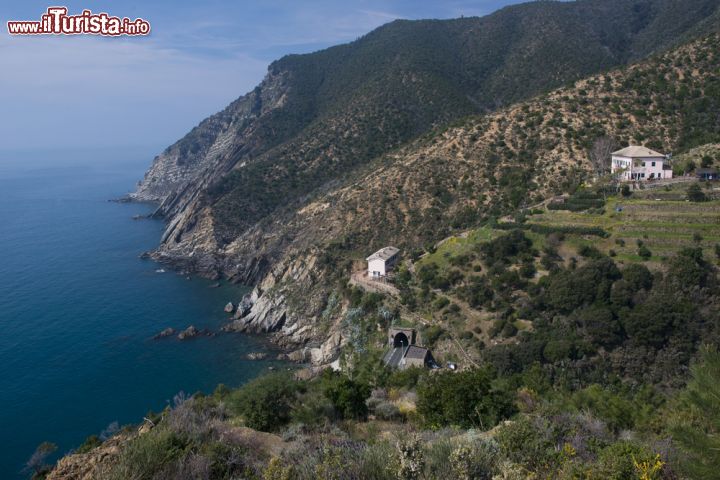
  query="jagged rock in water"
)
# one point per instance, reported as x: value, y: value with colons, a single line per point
x: 168, y: 332
x: 229, y: 308
x: 189, y: 332
x: 256, y: 356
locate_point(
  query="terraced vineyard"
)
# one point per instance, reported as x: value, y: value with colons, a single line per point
x: 660, y: 220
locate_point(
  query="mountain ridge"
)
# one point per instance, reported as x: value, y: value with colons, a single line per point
x: 242, y: 214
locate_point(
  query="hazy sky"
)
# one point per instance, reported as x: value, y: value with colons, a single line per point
x: 75, y: 91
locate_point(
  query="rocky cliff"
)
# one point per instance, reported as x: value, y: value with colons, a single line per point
x: 293, y: 181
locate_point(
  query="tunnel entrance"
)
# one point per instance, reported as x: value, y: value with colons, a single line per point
x: 400, y: 340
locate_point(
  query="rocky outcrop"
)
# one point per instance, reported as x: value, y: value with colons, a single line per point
x: 229, y: 307
x: 91, y: 465
x: 188, y: 333
x: 168, y: 332
x: 256, y: 356
x: 207, y: 152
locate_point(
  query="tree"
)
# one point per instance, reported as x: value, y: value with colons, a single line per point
x: 698, y: 434
x: 600, y: 157
x: 694, y: 194
x: 600, y: 154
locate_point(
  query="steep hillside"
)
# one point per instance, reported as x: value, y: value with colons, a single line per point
x: 316, y: 118
x: 461, y: 176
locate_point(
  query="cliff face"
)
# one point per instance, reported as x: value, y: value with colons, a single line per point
x: 291, y: 182
x: 211, y: 149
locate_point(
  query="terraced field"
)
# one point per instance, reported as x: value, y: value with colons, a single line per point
x: 663, y: 223
x: 458, y: 245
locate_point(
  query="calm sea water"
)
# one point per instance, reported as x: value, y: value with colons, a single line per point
x: 78, y: 307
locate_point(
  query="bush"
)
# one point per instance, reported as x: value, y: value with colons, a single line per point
x: 588, y: 251
x: 432, y: 333
x: 617, y: 461
x: 557, y: 229
x: 695, y: 194
x: 617, y: 411
x: 149, y: 455
x: 265, y: 403
x: 522, y: 442
x: 506, y: 247
x: 474, y: 460
x: 407, y: 378
x: 387, y: 411
x: 579, y: 201
x: 347, y: 396
x: 644, y: 252
x: 441, y: 303
x: 528, y: 270
x: 467, y: 399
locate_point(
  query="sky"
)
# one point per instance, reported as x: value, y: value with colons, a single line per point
x: 105, y: 92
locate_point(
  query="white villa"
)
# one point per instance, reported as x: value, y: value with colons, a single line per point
x: 635, y: 163
x: 380, y: 262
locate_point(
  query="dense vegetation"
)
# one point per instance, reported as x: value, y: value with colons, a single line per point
x: 352, y: 103
x: 592, y: 433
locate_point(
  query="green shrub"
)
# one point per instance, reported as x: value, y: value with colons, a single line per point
x: 588, y: 251
x: 347, y: 396
x: 644, y: 252
x: 149, y: 455
x: 468, y: 399
x: 695, y: 194
x: 441, y: 303
x: 522, y: 442
x: 614, y: 409
x: 407, y: 378
x: 617, y: 461
x: 265, y: 403
x: 432, y: 333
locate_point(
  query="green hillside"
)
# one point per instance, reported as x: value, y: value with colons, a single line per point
x: 351, y: 103
x: 663, y: 221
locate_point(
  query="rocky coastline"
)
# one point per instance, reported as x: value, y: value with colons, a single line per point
x: 265, y: 310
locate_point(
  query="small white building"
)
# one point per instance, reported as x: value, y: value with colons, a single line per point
x: 380, y: 262
x: 635, y: 163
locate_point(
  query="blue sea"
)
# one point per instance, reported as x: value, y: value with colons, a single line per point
x: 78, y: 307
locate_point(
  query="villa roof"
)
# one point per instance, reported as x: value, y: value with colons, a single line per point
x: 385, y: 253
x: 414, y: 351
x: 636, y: 151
